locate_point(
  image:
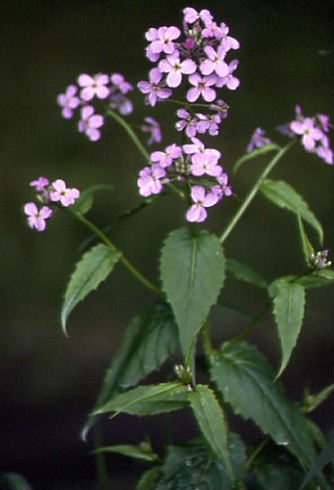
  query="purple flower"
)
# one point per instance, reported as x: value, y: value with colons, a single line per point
x: 310, y: 133
x: 40, y: 184
x: 324, y: 151
x: 65, y: 195
x: 187, y: 122
x: 258, y: 140
x: 202, y: 86
x: 37, y: 217
x: 175, y: 69
x: 165, y: 158
x: 122, y: 104
x: 153, y: 127
x: 222, y: 188
x: 90, y: 123
x: 149, y: 181
x: 208, y: 124
x: 119, y: 82
x: 191, y: 15
x: 68, y: 101
x: 163, y: 41
x: 205, y: 163
x: 197, y: 212
x: 93, y: 86
x: 154, y: 88
x: 230, y: 81
x: 198, y: 148
x: 214, y: 62
x: 228, y: 42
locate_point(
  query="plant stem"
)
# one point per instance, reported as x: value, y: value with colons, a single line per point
x: 130, y: 133
x: 257, y: 451
x: 131, y: 268
x: 207, y: 343
x: 248, y: 199
x: 100, y: 462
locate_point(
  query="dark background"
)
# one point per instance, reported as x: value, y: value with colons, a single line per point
x: 48, y: 383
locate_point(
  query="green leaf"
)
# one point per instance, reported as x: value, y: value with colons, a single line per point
x: 211, y: 421
x: 322, y: 460
x: 254, y: 154
x: 284, y: 196
x: 289, y: 304
x: 148, y: 400
x: 142, y: 451
x: 193, y: 466
x: 308, y: 250
x: 246, y: 381
x: 277, y: 476
x: 93, y: 268
x: 317, y: 279
x: 148, y: 341
x: 149, y: 479
x: 192, y: 271
x: 244, y: 273
x: 13, y: 481
x: 85, y: 201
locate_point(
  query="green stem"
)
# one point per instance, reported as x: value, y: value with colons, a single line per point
x: 253, y: 323
x: 103, y: 237
x: 248, y: 199
x: 256, y: 452
x: 207, y: 343
x: 130, y: 133
x: 100, y: 462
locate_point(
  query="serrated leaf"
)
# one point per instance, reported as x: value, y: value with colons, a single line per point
x: 254, y: 154
x: 308, y: 250
x: 148, y: 341
x: 244, y: 273
x: 93, y: 268
x: 148, y: 400
x: 142, y: 451
x: 289, y: 304
x: 193, y: 466
x: 192, y: 272
x: 85, y: 201
x: 246, y: 381
x: 284, y: 196
x: 211, y: 421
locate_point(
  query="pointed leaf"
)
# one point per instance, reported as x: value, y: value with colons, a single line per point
x: 141, y: 451
x: 149, y: 480
x: 311, y: 402
x: 246, y: 381
x: 148, y: 399
x: 284, y: 196
x: 211, y: 421
x: 308, y: 250
x: 317, y: 279
x: 322, y: 460
x: 254, y: 154
x: 244, y: 273
x: 149, y: 340
x: 93, y: 268
x: 289, y: 304
x: 192, y: 271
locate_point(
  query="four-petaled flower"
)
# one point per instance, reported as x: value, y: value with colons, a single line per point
x: 93, y: 86
x: 164, y: 40
x: 175, y: 69
x: 310, y: 133
x: 40, y: 183
x: 215, y: 62
x: 197, y: 212
x: 149, y: 181
x: 202, y: 86
x: 90, y: 123
x: 154, y: 88
x: 66, y: 196
x: 37, y: 217
x: 68, y: 101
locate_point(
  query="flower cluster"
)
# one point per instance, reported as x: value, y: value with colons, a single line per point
x: 48, y: 195
x: 313, y: 131
x: 110, y: 89
x: 197, y: 54
x: 192, y: 164
x: 319, y: 260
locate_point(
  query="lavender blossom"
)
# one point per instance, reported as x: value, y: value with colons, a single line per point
x: 37, y: 217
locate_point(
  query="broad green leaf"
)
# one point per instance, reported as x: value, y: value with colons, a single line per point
x: 246, y: 381
x: 148, y: 341
x: 141, y: 451
x: 312, y: 401
x: 289, y: 304
x: 210, y: 418
x: 254, y: 154
x: 148, y: 400
x: 192, y: 272
x: 284, y: 196
x: 244, y: 273
x: 13, y: 481
x: 93, y: 268
x: 150, y: 479
x: 322, y: 460
x: 308, y: 250
x: 194, y: 466
x: 85, y: 201
x: 317, y: 279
